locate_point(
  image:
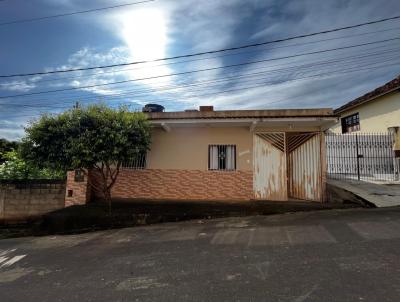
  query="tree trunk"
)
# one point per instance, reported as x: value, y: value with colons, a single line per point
x: 108, y: 177
x: 107, y: 197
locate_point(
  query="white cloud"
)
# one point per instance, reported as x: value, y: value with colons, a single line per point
x: 87, y: 57
x: 12, y: 129
x: 162, y: 29
x: 11, y: 134
x: 17, y: 86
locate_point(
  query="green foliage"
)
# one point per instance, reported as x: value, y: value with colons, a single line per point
x: 90, y: 138
x: 85, y: 137
x: 15, y: 167
x: 6, y: 146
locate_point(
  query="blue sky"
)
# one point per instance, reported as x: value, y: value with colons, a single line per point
x: 166, y: 28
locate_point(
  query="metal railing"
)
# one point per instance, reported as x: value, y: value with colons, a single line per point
x: 222, y: 157
x: 136, y: 163
x: 362, y: 157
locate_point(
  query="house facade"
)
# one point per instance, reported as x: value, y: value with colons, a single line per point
x: 225, y: 155
x: 377, y: 111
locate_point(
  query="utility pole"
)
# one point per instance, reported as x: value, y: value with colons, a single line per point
x: 76, y: 106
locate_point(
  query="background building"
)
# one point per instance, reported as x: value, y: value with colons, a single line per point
x: 375, y: 111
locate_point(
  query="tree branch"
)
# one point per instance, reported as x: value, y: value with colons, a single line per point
x: 114, y: 175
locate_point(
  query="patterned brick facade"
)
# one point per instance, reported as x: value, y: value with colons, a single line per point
x: 184, y: 185
x: 172, y: 185
x: 76, y: 192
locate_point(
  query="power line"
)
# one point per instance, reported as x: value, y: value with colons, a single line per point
x: 346, y: 60
x: 208, y: 58
x: 256, y: 86
x: 194, y: 71
x: 263, y: 84
x: 250, y: 80
x: 209, y: 83
x: 296, y: 79
x: 358, y: 56
x: 73, y: 13
x: 206, y: 52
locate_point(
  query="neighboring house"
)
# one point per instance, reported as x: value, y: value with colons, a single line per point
x: 226, y: 155
x: 375, y: 111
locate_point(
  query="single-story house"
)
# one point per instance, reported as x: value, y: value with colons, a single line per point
x: 377, y: 111
x: 226, y: 155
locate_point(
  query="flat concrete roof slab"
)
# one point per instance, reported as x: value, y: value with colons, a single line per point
x: 276, y: 113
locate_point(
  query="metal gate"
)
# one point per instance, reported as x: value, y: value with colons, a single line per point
x: 270, y: 166
x: 288, y: 165
x: 361, y: 157
x: 305, y: 169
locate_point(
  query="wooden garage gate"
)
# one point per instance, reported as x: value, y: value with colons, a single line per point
x: 289, y: 165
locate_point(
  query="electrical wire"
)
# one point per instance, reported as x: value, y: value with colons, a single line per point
x: 250, y: 76
x: 74, y: 13
x: 193, y: 71
x: 206, y: 52
x: 330, y: 73
x: 207, y: 58
x: 242, y: 77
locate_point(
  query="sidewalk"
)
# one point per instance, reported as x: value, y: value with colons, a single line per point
x: 380, y: 195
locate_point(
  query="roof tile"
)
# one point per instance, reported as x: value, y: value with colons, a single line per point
x: 389, y: 86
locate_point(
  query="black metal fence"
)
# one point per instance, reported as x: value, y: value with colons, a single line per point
x: 362, y: 157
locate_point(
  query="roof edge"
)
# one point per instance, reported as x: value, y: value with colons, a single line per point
x: 273, y: 113
x: 386, y: 88
x: 341, y: 110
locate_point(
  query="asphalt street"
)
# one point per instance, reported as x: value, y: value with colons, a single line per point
x: 331, y: 255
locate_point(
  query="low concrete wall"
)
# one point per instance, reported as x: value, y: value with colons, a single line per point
x: 21, y: 201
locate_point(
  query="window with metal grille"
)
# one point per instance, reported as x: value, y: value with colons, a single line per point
x: 351, y: 123
x: 222, y: 157
x: 137, y: 163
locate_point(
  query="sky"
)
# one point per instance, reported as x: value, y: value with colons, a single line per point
x: 277, y: 75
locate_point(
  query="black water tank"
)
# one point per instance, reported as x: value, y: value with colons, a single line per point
x: 153, y: 108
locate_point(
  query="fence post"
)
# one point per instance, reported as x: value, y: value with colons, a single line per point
x: 358, y: 159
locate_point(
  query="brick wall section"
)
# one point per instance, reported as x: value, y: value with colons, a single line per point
x: 20, y: 202
x: 184, y: 185
x: 80, y: 190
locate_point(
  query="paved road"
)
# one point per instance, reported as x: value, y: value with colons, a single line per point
x: 338, y: 255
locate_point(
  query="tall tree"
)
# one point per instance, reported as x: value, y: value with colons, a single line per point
x: 94, y: 138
